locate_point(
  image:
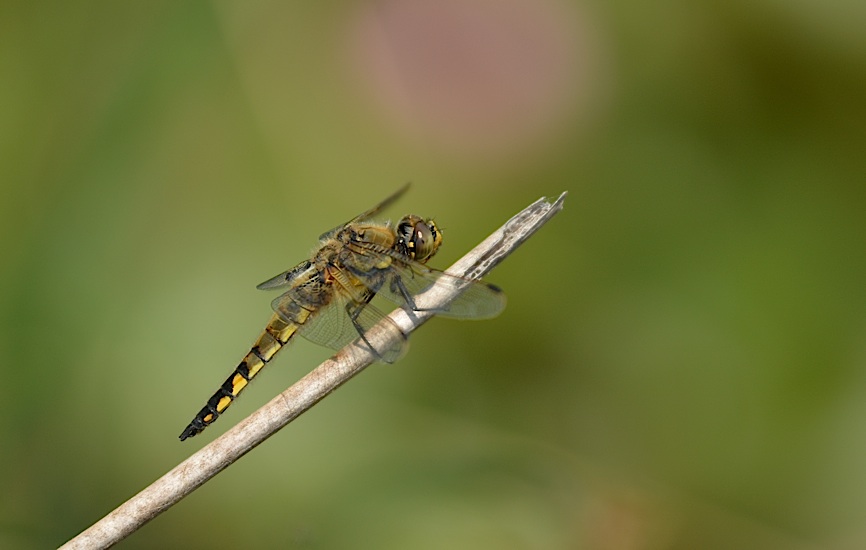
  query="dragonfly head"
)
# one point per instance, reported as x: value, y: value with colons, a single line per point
x: 417, y: 238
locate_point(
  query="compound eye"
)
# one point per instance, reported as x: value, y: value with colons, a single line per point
x: 417, y: 238
x: 426, y: 239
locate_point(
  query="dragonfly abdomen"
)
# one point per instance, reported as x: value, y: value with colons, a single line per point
x: 277, y: 334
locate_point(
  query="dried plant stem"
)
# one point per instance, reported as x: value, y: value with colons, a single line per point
x: 305, y: 393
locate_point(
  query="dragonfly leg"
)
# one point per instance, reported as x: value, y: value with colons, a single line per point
x: 398, y: 287
x: 354, y: 310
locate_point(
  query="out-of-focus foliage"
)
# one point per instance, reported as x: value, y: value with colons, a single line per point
x: 683, y: 360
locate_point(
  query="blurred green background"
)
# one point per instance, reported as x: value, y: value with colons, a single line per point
x: 682, y: 363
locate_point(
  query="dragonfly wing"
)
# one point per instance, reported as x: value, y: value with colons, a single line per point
x: 406, y: 279
x: 382, y: 205
x: 342, y: 321
x: 367, y: 214
x: 288, y: 278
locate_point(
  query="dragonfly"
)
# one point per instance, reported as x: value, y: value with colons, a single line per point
x: 326, y: 298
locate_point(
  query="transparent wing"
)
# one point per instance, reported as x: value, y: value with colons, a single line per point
x: 367, y: 214
x: 342, y: 321
x: 404, y: 279
x: 382, y: 205
x: 288, y: 278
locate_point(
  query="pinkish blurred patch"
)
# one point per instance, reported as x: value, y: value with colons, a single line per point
x: 477, y: 77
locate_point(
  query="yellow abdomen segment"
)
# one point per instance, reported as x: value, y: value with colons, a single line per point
x: 277, y: 334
